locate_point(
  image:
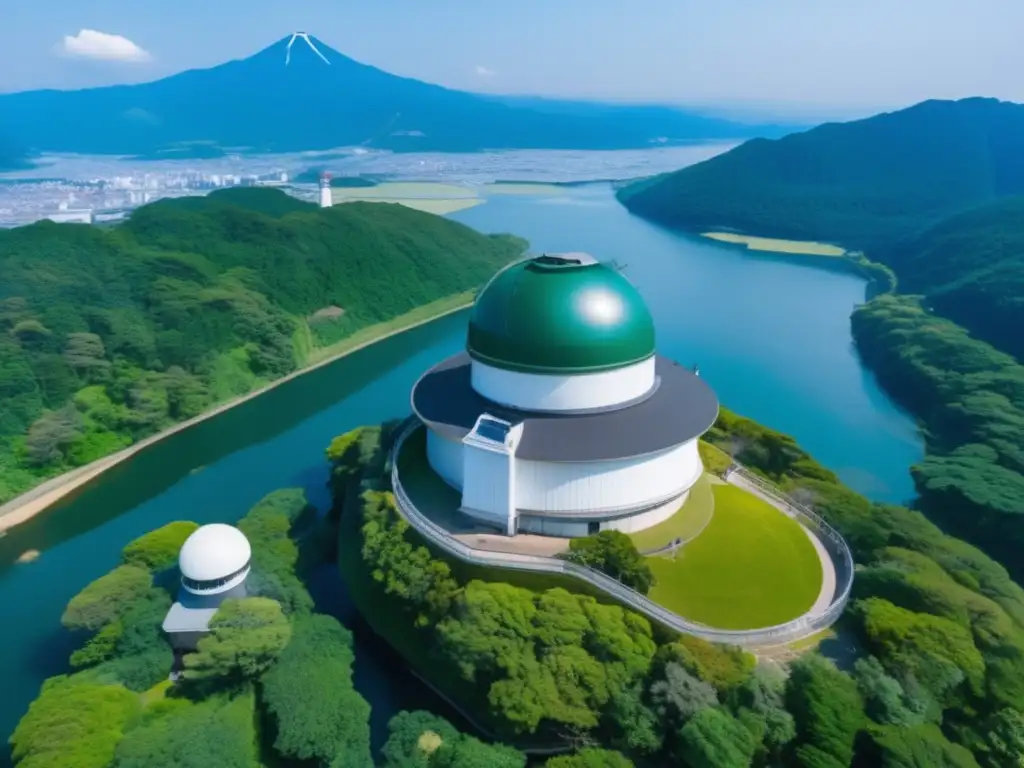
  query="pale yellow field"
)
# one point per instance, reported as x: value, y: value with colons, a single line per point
x: 774, y: 245
x: 436, y: 197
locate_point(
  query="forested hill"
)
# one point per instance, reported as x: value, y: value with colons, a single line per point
x: 931, y: 191
x: 111, y: 334
x: 862, y: 184
x: 970, y: 397
x: 971, y: 268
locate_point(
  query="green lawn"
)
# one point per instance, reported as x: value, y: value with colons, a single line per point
x: 751, y: 567
x: 688, y: 522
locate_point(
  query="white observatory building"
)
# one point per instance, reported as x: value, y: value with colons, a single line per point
x: 560, y: 418
x: 214, y: 563
x: 326, y: 198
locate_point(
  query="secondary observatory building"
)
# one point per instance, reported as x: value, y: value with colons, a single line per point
x: 560, y: 418
x: 214, y: 564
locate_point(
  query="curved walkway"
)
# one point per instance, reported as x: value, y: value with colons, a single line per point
x: 801, y: 627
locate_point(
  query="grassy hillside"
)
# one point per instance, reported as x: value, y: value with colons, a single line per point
x: 862, y: 184
x: 109, y: 335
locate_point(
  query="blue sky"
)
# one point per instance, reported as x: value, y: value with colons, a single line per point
x: 819, y: 56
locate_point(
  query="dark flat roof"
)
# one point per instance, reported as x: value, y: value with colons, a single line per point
x: 681, y: 408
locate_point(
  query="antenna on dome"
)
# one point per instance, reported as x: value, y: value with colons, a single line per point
x: 301, y: 36
x: 617, y: 265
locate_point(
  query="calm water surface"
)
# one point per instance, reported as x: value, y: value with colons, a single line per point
x: 772, y: 337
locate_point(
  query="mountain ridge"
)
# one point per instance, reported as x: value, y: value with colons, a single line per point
x: 865, y: 183
x: 323, y: 99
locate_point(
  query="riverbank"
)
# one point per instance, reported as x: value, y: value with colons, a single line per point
x: 881, y: 278
x: 31, y: 503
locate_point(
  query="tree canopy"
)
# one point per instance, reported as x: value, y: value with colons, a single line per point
x: 158, y: 550
x: 972, y: 399
x: 110, y: 334
x: 73, y: 723
x: 613, y: 553
x: 106, y: 599
x: 309, y: 693
x: 246, y: 637
x: 179, y: 733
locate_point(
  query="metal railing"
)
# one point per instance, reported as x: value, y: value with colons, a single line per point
x: 781, y: 633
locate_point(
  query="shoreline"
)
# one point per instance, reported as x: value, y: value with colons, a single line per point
x: 33, y: 502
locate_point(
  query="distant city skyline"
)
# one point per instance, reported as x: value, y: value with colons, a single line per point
x: 792, y: 57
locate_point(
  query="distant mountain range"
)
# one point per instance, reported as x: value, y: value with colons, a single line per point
x: 299, y: 94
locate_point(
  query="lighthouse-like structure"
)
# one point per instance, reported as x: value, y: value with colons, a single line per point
x: 326, y: 200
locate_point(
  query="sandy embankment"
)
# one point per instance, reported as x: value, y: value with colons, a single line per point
x: 43, y: 496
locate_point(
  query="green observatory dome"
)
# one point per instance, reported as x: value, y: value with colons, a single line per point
x: 560, y: 315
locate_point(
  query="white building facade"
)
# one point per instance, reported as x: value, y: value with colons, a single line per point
x: 560, y: 419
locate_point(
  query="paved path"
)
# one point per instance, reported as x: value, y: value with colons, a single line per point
x: 828, y: 569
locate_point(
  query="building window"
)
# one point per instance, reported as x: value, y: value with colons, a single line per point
x: 205, y: 586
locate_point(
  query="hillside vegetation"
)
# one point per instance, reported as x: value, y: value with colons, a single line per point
x: 109, y: 335
x: 930, y: 671
x: 929, y: 191
x: 971, y: 398
x: 971, y: 269
x: 862, y: 184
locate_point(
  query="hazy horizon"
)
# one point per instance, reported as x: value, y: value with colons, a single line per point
x: 796, y: 59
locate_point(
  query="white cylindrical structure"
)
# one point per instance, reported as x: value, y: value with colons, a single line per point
x: 561, y: 392
x: 585, y: 489
x: 214, y: 559
x: 606, y: 488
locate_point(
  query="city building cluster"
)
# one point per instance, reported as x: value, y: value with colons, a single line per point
x: 104, y: 198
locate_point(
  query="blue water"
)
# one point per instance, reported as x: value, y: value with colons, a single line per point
x: 772, y: 337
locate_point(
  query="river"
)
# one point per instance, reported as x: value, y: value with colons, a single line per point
x: 771, y: 336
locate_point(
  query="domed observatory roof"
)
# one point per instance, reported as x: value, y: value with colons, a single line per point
x: 560, y: 314
x: 561, y: 333
x: 215, y: 558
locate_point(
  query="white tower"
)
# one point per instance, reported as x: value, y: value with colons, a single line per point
x: 214, y: 563
x: 326, y: 200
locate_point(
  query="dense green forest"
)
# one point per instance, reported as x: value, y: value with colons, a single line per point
x: 108, y: 335
x: 934, y: 193
x: 928, y: 191
x: 863, y: 184
x: 270, y: 685
x: 936, y: 628
x: 970, y: 268
x: 971, y: 399
x: 930, y: 673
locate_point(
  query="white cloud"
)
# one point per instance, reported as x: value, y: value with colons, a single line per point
x: 90, y: 44
x: 483, y: 71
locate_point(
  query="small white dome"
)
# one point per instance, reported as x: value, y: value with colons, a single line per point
x: 214, y: 552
